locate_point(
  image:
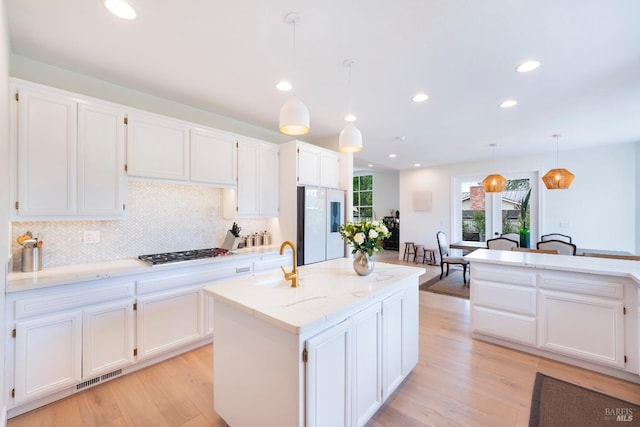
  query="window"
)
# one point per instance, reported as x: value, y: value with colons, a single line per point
x: 363, y: 198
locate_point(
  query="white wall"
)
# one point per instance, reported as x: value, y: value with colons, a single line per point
x: 600, y: 206
x: 4, y: 185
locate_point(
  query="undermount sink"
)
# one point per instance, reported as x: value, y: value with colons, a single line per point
x: 270, y: 282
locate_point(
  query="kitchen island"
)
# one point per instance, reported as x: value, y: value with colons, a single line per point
x: 328, y: 352
x: 579, y: 310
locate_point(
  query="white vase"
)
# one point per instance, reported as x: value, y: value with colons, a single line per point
x: 363, y: 264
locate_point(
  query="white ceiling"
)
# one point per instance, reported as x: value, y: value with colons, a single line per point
x: 226, y: 56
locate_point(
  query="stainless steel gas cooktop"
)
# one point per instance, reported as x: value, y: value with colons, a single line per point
x: 170, y: 257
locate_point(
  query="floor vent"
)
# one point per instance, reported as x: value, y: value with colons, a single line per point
x: 111, y: 375
x: 96, y: 380
x: 87, y: 383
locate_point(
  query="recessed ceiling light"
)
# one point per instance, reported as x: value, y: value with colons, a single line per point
x: 120, y: 8
x: 392, y: 156
x: 525, y: 67
x: 508, y: 103
x: 284, y: 86
x: 417, y: 165
x: 350, y: 117
x: 370, y: 165
x: 420, y: 97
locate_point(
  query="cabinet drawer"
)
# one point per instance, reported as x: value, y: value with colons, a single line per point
x: 512, y: 327
x: 190, y: 277
x: 506, y: 275
x: 605, y: 287
x: 56, y: 300
x: 516, y: 299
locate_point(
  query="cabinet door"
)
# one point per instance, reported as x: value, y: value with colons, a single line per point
x: 308, y: 165
x: 47, y: 141
x: 399, y: 338
x: 329, y: 170
x: 329, y: 377
x: 108, y: 338
x: 168, y: 320
x: 367, y: 363
x: 101, y: 177
x: 48, y: 355
x: 213, y: 157
x: 269, y: 178
x: 598, y: 337
x: 247, y: 198
x: 157, y: 147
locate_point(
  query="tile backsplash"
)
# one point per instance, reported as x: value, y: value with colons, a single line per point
x: 160, y: 218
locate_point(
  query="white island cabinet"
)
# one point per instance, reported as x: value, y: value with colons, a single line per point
x: 575, y: 309
x: 329, y: 352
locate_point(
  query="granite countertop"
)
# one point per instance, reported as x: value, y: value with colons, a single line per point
x: 326, y: 292
x: 579, y: 264
x: 55, y: 276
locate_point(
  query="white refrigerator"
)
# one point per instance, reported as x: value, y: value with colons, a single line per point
x: 320, y: 212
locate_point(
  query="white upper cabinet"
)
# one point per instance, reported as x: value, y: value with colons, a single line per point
x: 69, y: 155
x: 256, y: 193
x: 46, y: 149
x: 101, y: 179
x: 317, y: 166
x: 213, y: 157
x: 157, y: 147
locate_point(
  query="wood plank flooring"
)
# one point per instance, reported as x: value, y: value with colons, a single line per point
x: 458, y: 382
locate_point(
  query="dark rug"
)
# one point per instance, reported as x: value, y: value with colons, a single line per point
x: 558, y: 403
x: 449, y: 285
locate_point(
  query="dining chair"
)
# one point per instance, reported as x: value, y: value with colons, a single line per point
x: 563, y: 248
x: 539, y: 251
x: 502, y: 243
x: 446, y: 258
x: 613, y: 256
x: 556, y: 236
x: 512, y: 236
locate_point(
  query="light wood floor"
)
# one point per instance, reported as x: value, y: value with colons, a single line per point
x: 457, y: 382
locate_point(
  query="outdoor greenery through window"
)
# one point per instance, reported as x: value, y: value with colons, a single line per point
x: 363, y: 198
x: 514, y: 203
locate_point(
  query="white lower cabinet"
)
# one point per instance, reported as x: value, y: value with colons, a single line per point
x: 596, y: 332
x: 48, y: 355
x: 168, y: 320
x: 329, y: 377
x: 107, y: 337
x: 367, y: 363
x: 361, y: 361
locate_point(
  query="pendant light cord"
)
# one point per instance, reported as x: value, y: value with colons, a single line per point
x: 349, y: 112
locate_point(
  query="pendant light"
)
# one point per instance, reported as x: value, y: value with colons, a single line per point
x: 494, y: 183
x: 350, y: 137
x: 294, y: 115
x: 557, y: 179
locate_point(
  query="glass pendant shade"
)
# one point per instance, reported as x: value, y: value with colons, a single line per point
x: 294, y: 117
x: 350, y: 139
x: 494, y: 183
x: 558, y: 179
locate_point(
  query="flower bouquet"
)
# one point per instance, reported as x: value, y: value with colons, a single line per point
x: 364, y: 236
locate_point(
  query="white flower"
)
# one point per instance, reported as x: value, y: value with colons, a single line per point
x: 359, y: 238
x: 375, y: 223
x: 384, y: 229
x: 373, y: 234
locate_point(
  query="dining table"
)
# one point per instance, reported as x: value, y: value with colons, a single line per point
x: 469, y: 245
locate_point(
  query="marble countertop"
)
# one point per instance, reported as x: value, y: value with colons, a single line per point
x: 326, y: 292
x: 55, y: 276
x: 580, y: 264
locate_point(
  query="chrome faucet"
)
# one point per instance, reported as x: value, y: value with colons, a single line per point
x: 293, y: 274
